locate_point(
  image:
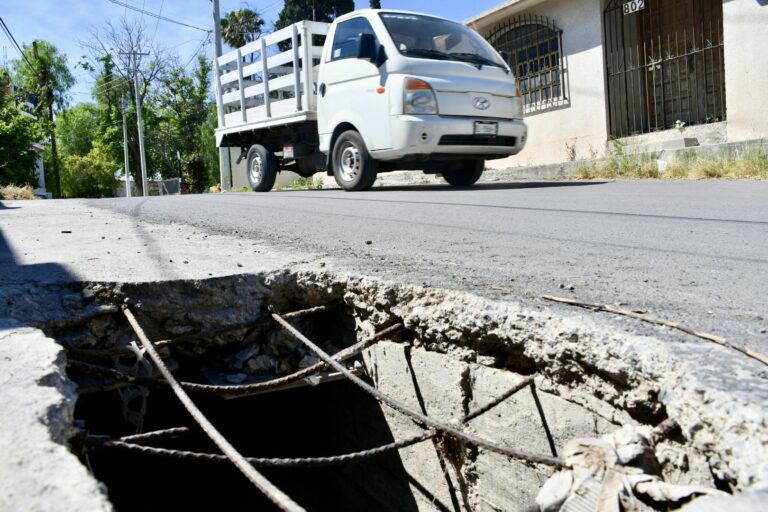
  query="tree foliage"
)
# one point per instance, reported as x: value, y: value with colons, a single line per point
x: 241, y: 26
x: 375, y: 4
x: 49, y: 66
x: 89, y: 175
x: 325, y: 10
x: 181, y: 108
x: 76, y: 128
x: 18, y: 133
x: 179, y: 116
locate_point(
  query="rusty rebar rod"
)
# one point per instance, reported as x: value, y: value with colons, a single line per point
x: 125, y: 444
x: 405, y: 409
x: 278, y: 497
x: 308, y: 311
x: 148, y: 437
x: 244, y: 389
x: 234, y: 390
x: 668, y: 323
x: 299, y: 462
x: 184, y: 338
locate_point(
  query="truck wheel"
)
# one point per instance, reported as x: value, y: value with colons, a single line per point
x: 261, y: 167
x: 465, y: 174
x: 353, y: 167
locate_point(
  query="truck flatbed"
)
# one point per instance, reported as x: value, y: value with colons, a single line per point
x: 255, y: 93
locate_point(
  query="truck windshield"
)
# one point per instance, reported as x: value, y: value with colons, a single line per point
x: 434, y: 38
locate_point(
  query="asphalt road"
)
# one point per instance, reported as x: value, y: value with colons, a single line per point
x: 695, y: 252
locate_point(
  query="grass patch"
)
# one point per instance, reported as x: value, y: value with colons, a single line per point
x: 751, y: 162
x: 12, y: 193
x: 619, y: 164
x: 302, y: 183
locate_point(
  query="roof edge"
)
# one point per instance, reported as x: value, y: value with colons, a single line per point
x: 494, y: 12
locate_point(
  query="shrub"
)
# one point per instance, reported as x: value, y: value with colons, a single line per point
x: 12, y: 192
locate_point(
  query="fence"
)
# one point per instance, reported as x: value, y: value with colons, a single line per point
x: 254, y: 86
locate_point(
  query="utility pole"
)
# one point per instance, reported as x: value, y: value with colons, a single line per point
x: 139, y: 120
x: 314, y: 17
x: 45, y: 82
x: 223, y: 152
x: 125, y: 151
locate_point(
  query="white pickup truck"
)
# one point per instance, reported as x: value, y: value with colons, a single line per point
x: 374, y: 91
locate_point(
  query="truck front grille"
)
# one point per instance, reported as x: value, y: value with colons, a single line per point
x: 477, y: 140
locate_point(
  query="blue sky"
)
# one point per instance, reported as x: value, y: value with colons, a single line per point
x: 66, y: 22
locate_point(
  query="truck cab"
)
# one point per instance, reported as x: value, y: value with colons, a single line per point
x: 395, y: 90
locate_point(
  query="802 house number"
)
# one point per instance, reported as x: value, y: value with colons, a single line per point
x: 634, y: 6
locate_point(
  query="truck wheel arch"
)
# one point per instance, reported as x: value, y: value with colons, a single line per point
x: 341, y: 128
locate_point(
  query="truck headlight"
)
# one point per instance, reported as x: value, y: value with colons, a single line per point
x: 518, y: 109
x: 419, y: 97
x: 518, y: 112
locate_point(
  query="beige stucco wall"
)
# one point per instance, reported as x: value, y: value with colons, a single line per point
x: 745, y: 25
x: 583, y: 121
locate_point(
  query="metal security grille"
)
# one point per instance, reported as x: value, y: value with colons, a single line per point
x: 664, y: 64
x: 534, y: 52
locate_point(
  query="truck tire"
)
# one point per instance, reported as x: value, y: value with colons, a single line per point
x: 353, y: 167
x: 261, y: 168
x: 465, y: 174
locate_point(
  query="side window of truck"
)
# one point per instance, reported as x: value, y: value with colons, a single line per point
x: 347, y: 37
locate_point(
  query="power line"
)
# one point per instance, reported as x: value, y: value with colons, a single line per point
x: 15, y: 43
x: 203, y: 44
x: 154, y: 15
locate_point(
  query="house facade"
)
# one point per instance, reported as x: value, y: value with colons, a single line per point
x: 638, y: 71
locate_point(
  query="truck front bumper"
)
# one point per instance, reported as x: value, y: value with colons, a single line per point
x: 443, y: 135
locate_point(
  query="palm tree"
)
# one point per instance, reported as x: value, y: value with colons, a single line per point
x: 241, y: 27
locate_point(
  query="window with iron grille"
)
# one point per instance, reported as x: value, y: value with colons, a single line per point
x: 533, y: 46
x: 664, y: 65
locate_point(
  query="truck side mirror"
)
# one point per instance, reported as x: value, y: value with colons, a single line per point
x: 381, y: 56
x: 366, y: 47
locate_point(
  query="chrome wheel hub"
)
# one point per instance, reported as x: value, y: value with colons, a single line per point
x: 349, y: 166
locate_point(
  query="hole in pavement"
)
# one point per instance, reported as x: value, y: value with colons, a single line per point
x: 441, y: 379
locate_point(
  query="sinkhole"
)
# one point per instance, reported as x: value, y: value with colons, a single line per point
x: 443, y: 362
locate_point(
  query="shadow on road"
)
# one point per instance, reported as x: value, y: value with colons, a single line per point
x: 12, y: 272
x: 479, y: 187
x: 6, y: 207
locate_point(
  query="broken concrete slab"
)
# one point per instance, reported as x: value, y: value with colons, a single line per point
x: 38, y: 472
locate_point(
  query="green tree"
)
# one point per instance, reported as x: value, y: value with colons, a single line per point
x: 325, y: 10
x: 241, y: 27
x: 77, y: 128
x: 111, y: 49
x: 48, y: 76
x: 375, y: 4
x: 44, y: 72
x: 18, y: 133
x: 89, y: 175
x: 182, y: 106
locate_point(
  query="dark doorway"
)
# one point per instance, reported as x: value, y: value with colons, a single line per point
x: 664, y: 64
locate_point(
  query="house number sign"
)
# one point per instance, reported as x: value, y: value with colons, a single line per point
x: 634, y: 6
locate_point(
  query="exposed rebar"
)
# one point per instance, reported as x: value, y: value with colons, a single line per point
x: 129, y: 443
x: 233, y: 390
x: 278, y: 497
x: 404, y: 409
x: 157, y: 435
x: 725, y: 342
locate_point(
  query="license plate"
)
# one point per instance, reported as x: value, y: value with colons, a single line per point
x: 486, y: 128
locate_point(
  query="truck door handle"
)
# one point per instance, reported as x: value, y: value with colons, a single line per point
x: 322, y: 90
